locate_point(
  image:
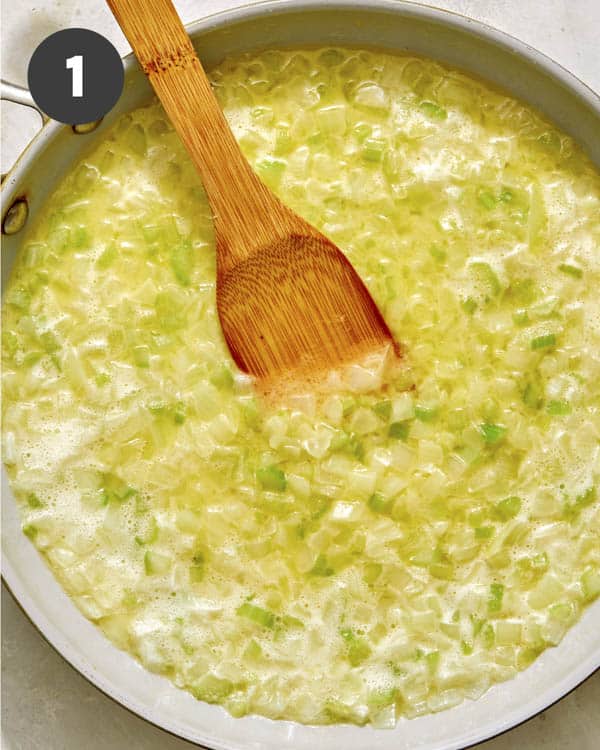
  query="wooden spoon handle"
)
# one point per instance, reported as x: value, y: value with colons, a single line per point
x: 240, y: 202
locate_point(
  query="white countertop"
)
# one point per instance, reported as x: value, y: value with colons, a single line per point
x: 45, y: 703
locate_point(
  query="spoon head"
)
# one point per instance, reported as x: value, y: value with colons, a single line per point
x: 296, y: 308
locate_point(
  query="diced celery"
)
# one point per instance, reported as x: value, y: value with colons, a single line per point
x: 272, y: 478
x: 433, y: 110
x: 30, y: 530
x: 521, y: 318
x: 156, y: 563
x: 33, y: 501
x: 437, y: 253
x: 182, y: 262
x: 107, y: 257
x: 373, y: 149
x: 399, y: 430
x: 372, y: 572
x: 495, y: 597
x: 484, y: 532
x: 590, y: 584
x: 571, y: 270
x: 486, y: 274
x: 533, y: 396
x: 508, y: 508
x: 257, y: 614
x: 486, y: 199
x: 425, y: 413
x: 212, y: 689
x: 379, y: 504
x: 492, y: 433
x: 321, y: 567
x: 558, y: 408
x: 141, y: 356
x: 543, y: 342
x: 383, y: 409
x: 222, y: 378
x: 469, y: 305
x: 271, y: 170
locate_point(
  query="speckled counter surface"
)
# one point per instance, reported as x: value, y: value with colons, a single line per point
x: 46, y: 705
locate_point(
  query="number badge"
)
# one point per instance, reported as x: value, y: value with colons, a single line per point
x: 75, y: 76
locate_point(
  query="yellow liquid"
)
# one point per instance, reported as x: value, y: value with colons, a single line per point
x: 372, y: 553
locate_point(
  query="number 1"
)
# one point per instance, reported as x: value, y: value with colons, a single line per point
x: 76, y: 65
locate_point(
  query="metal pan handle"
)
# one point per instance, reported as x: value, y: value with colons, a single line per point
x: 10, y: 92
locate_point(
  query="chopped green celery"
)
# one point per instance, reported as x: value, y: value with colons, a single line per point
x: 466, y: 647
x: 563, y: 611
x: 362, y: 130
x: 80, y: 237
x: 487, y: 199
x: 487, y: 275
x: 141, y: 356
x: 495, y: 597
x: 383, y: 409
x: 113, y: 488
x: 521, y: 318
x: 558, y: 408
x: 399, y: 430
x: 533, y: 396
x: 433, y: 110
x: 321, y: 567
x: 257, y: 614
x: 212, y: 689
x: 155, y: 563
x: 358, y: 648
x: 586, y: 498
x: 182, y: 262
x: 372, y: 572
x: 179, y: 412
x: 150, y: 535
x: 253, y: 650
x: 432, y: 659
x: 492, y: 433
x: 523, y: 290
x: 49, y: 342
x: 425, y: 413
x: 30, y: 530
x: 469, y: 305
x: 31, y: 358
x: 590, y: 584
x: 373, y: 149
x: 283, y: 142
x: 506, y: 195
x: 288, y: 621
x: 484, y: 532
x: 19, y: 298
x: 272, y: 478
x: 382, y: 697
x: 271, y: 170
x: 102, y: 378
x: 437, y: 253
x: 222, y: 378
x: 379, y: 504
x: 488, y: 635
x: 10, y: 342
x: 170, y: 311
x: 477, y: 625
x: 571, y: 270
x: 543, y: 342
x: 507, y: 508
x: 33, y: 501
x: 106, y: 258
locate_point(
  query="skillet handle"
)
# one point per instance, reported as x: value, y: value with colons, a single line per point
x: 10, y: 92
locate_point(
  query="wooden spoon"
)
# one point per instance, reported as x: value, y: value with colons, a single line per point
x: 289, y: 302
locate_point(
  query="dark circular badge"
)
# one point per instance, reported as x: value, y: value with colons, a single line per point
x: 75, y: 76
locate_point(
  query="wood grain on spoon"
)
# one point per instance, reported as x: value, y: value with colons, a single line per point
x: 290, y: 303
